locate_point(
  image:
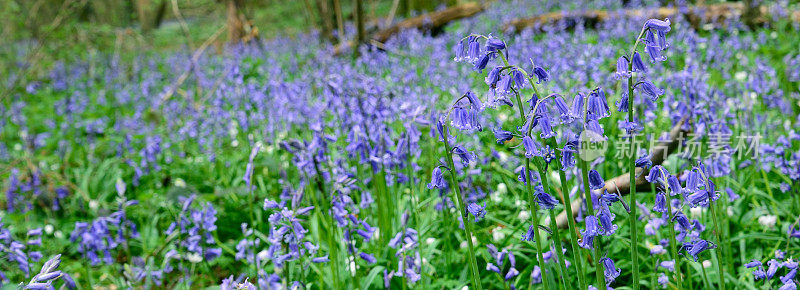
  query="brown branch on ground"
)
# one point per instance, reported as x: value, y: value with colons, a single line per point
x: 622, y: 183
x: 425, y: 22
x: 697, y: 15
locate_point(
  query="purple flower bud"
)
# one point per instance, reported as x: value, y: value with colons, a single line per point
x: 546, y: 128
x: 477, y: 211
x: 576, y: 108
x: 622, y: 68
x: 669, y: 265
x: 481, y: 63
x: 474, y: 50
x: 595, y: 180
x: 658, y: 25
x: 530, y: 147
x: 638, y: 64
x: 611, y: 271
x: 493, y: 268
x: 495, y: 44
x: 503, y: 136
x: 545, y: 200
x: 660, y: 203
x: 493, y: 76
x: 541, y: 74
x: 752, y: 264
x: 674, y: 185
x: 772, y: 268
x: 367, y: 257
x: 598, y: 106
x: 650, y: 89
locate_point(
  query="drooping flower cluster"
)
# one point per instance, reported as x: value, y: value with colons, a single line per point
x: 194, y: 231
x: 409, y: 262
x: 49, y: 274
x: 497, y: 263
x: 96, y: 239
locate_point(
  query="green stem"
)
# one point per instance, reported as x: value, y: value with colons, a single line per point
x: 556, y: 236
x: 717, y: 250
x: 534, y: 208
x: 462, y: 209
x: 573, y: 229
x: 673, y: 248
x: 601, y: 279
x: 632, y: 169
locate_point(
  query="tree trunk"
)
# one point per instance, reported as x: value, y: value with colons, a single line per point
x: 325, y: 16
x: 337, y: 8
x: 234, y: 22
x: 358, y: 12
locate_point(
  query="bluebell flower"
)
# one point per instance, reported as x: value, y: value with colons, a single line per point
x: 459, y: 51
x: 638, y: 64
x: 610, y: 270
x: 530, y: 147
x: 546, y: 128
x: 476, y: 210
x: 591, y: 231
x: 481, y: 63
x: 788, y: 285
x: 519, y: 78
x: 576, y: 108
x: 658, y: 25
x: 465, y: 119
x: 660, y: 203
x: 598, y: 106
x: 493, y: 76
x: 595, y: 180
x: 437, y: 179
x: 594, y: 126
x: 545, y: 200
x: 772, y: 268
x: 651, y: 90
x: 541, y: 74
x: 654, y: 51
x: 466, y: 156
x: 502, y: 136
x: 701, y: 198
x: 674, y: 185
x: 474, y: 101
x: 504, y: 85
x: 473, y: 50
x: 622, y: 68
x: 752, y: 264
x: 568, y: 156
x: 622, y: 103
x: 494, y: 44
x: 562, y: 108
x: 668, y: 265
x: 367, y: 257
x: 606, y: 219
x: 697, y: 247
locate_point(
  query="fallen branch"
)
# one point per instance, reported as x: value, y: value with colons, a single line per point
x: 697, y: 15
x: 622, y: 183
x: 192, y: 63
x: 425, y: 22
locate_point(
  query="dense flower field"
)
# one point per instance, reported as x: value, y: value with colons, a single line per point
x: 439, y: 161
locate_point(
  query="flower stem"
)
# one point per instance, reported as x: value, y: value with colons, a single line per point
x: 462, y: 211
x: 534, y: 208
x: 673, y: 248
x: 601, y: 279
x: 573, y: 230
x: 717, y: 251
x: 632, y: 169
x: 556, y: 236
